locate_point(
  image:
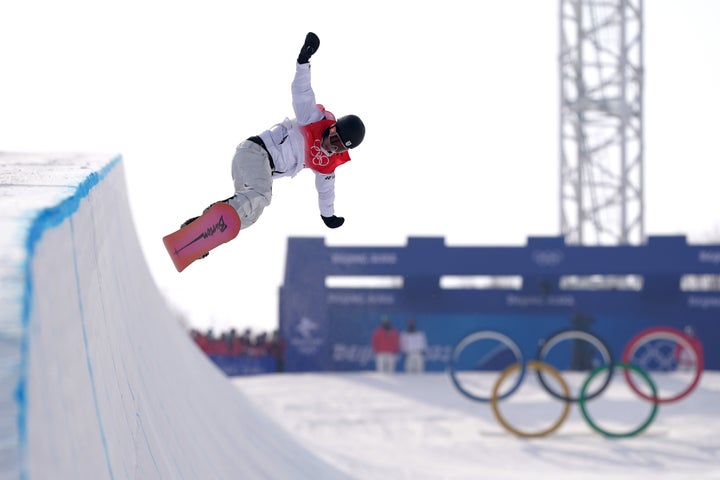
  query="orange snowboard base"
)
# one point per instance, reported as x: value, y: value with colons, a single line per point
x: 218, y: 225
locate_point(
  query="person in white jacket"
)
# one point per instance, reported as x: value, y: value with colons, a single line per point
x: 314, y: 139
x: 413, y: 344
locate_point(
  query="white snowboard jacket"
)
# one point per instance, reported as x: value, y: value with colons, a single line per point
x: 413, y: 342
x: 286, y: 144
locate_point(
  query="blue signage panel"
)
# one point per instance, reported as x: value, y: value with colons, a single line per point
x: 330, y: 328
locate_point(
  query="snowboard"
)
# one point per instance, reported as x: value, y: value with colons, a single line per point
x: 217, y: 225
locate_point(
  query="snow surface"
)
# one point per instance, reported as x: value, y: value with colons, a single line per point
x: 420, y: 427
x: 99, y: 380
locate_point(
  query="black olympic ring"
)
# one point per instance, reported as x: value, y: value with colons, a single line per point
x: 542, y: 369
x: 482, y: 335
x: 547, y: 345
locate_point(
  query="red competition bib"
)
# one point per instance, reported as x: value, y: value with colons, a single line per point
x: 315, y: 158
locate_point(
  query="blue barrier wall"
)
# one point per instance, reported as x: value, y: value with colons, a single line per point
x: 236, y: 365
x: 330, y: 328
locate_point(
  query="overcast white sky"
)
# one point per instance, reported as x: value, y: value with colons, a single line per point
x: 460, y: 100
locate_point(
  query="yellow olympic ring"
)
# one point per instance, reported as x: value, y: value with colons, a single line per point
x: 540, y: 367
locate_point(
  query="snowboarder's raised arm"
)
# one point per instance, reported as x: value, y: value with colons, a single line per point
x: 303, y: 97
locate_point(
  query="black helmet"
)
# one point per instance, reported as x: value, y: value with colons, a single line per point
x: 351, y: 130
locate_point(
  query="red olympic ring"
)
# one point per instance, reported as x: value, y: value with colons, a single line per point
x: 681, y: 339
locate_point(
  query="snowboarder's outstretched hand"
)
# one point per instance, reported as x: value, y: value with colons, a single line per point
x: 333, y: 222
x: 312, y: 43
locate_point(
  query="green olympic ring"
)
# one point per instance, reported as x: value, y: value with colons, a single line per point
x: 627, y: 367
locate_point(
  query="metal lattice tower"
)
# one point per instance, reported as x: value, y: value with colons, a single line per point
x: 601, y: 127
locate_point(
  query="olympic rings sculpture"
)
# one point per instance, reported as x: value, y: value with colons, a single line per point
x: 649, y: 348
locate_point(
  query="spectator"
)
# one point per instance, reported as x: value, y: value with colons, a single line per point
x: 276, y: 349
x: 236, y: 346
x: 413, y: 344
x: 582, y: 350
x: 215, y: 346
x: 219, y: 344
x: 684, y: 358
x: 230, y: 341
x: 245, y: 341
x: 260, y: 345
x: 200, y: 340
x: 385, y: 345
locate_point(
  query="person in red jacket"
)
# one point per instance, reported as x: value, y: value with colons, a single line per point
x: 688, y: 359
x: 386, y: 345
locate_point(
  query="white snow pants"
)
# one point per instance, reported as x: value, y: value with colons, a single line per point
x: 414, y: 362
x: 253, y: 182
x: 385, y: 362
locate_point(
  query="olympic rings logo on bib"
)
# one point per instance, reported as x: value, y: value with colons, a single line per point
x: 661, y: 349
x: 319, y: 158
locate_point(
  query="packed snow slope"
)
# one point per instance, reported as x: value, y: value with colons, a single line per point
x: 419, y: 427
x: 97, y: 378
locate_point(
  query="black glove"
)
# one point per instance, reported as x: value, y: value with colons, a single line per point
x: 333, y: 222
x: 312, y: 43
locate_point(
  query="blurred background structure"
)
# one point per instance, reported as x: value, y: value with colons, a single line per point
x: 601, y: 122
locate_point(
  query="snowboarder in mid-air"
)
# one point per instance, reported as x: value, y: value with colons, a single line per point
x: 314, y: 139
